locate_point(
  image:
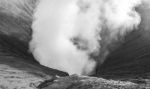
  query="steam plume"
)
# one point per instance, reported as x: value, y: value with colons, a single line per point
x: 67, y: 32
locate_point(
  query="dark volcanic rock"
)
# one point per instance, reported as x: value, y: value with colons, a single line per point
x: 83, y: 82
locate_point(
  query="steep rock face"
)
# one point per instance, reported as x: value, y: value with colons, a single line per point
x: 131, y: 58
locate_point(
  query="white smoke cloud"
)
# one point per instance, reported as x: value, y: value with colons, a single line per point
x: 67, y: 32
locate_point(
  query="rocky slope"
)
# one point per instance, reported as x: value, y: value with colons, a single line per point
x: 84, y: 82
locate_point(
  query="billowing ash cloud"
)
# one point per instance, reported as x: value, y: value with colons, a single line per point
x: 67, y: 32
